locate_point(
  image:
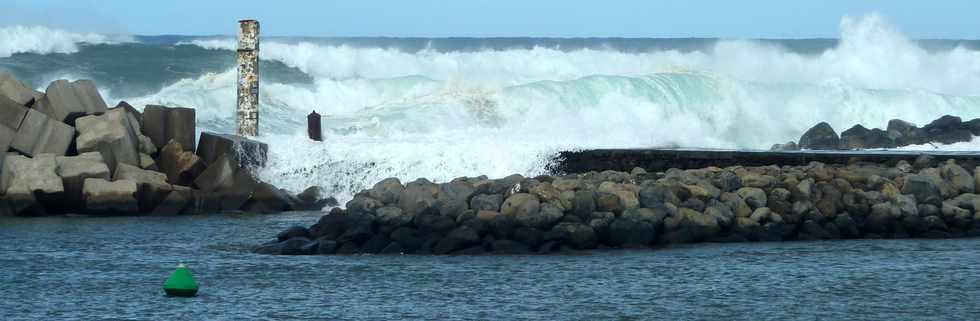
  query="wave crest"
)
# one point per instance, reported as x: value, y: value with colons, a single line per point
x: 44, y: 40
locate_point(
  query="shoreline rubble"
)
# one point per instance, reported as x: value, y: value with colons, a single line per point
x: 65, y: 151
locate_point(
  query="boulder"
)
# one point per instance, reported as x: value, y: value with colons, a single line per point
x: 105, y: 197
x: 147, y: 162
x: 578, y: 235
x: 486, y: 202
x: 113, y: 129
x: 6, y: 138
x: 454, y: 198
x: 688, y: 225
x: 39, y: 134
x: 312, y: 199
x: 457, y: 239
x: 66, y: 101
x: 267, y: 199
x: 521, y: 205
x: 900, y: 130
x: 181, y: 166
x: 163, y: 124
x: 387, y: 191
x: 924, y: 189
x: 859, y: 137
x: 75, y: 170
x: 820, y: 137
x: 544, y: 218
x: 624, y: 231
x: 958, y: 178
x: 946, y: 130
x: 755, y: 197
x: 16, y: 91
x: 393, y: 217
x: 244, y: 152
x: 418, y: 196
x: 11, y: 113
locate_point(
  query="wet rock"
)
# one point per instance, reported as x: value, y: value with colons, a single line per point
x: 181, y: 166
x: 267, y: 199
x: 104, y: 197
x: 393, y: 248
x: 859, y: 137
x: 958, y: 178
x: 486, y: 202
x: 291, y: 232
x: 947, y: 130
x: 457, y: 239
x: 628, y: 232
x: 578, y: 235
x: 584, y: 203
x: 241, y: 151
x: 688, y: 225
x: 454, y: 198
x: 387, y: 191
x: 755, y: 197
x: 393, y: 216
x: 789, y: 146
x: 521, y: 205
x: 418, y: 196
x: 363, y: 205
x: 820, y: 137
x: 924, y: 189
x: 312, y: 199
x: 508, y: 247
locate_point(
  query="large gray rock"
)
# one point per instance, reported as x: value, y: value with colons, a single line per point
x: 820, y: 137
x: 453, y: 198
x: 17, y: 91
x: 66, y: 101
x: 688, y: 225
x: 163, y: 124
x: 958, y: 178
x: 242, y: 151
x: 217, y: 176
x: 267, y: 199
x: 177, y: 202
x: 6, y: 138
x: 418, y: 196
x: 114, y: 129
x: 11, y: 113
x: 629, y: 232
x: 924, y: 189
x: 39, y: 134
x: 521, y: 204
x: 180, y: 166
x: 859, y: 137
x: 75, y: 170
x: 105, y: 197
x: 578, y: 235
x: 387, y: 191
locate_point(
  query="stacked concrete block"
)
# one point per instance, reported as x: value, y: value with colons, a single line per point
x: 66, y: 101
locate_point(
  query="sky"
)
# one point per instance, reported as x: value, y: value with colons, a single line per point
x: 947, y: 19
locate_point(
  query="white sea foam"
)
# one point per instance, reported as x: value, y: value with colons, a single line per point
x: 442, y: 115
x: 44, y: 40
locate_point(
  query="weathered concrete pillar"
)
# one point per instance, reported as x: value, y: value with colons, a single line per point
x: 248, y: 78
x: 313, y: 127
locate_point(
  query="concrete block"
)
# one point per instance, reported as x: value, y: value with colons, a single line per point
x: 112, y: 130
x: 152, y: 186
x: 34, y: 183
x: 17, y: 91
x: 162, y: 124
x: 244, y: 152
x: 74, y: 171
x: 66, y: 101
x: 181, y: 166
x: 105, y: 197
x: 11, y: 113
x: 39, y: 134
x: 218, y: 176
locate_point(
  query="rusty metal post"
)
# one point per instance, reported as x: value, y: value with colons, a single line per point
x: 248, y: 78
x: 313, y: 127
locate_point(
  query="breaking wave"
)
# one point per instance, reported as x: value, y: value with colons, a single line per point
x: 44, y: 40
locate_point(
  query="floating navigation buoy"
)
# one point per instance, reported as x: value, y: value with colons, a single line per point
x: 181, y: 283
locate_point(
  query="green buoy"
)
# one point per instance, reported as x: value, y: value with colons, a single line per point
x: 181, y: 283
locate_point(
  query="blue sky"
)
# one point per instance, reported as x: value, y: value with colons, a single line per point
x: 480, y: 18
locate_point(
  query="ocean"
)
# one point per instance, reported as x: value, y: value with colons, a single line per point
x: 450, y: 107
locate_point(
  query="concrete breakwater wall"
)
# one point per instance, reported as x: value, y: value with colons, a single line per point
x: 926, y: 198
x: 65, y: 151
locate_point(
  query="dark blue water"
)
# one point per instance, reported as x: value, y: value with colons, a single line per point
x: 80, y: 268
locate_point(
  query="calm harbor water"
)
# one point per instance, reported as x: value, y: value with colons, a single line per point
x: 85, y: 268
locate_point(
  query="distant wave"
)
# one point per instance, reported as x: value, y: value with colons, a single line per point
x: 44, y: 40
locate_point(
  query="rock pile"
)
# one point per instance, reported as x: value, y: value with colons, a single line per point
x: 609, y: 209
x: 64, y: 151
x: 945, y: 130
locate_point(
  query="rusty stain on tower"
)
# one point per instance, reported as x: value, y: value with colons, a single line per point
x: 248, y: 78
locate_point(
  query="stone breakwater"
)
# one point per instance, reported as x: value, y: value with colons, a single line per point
x: 944, y: 130
x: 65, y: 151
x: 548, y: 214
